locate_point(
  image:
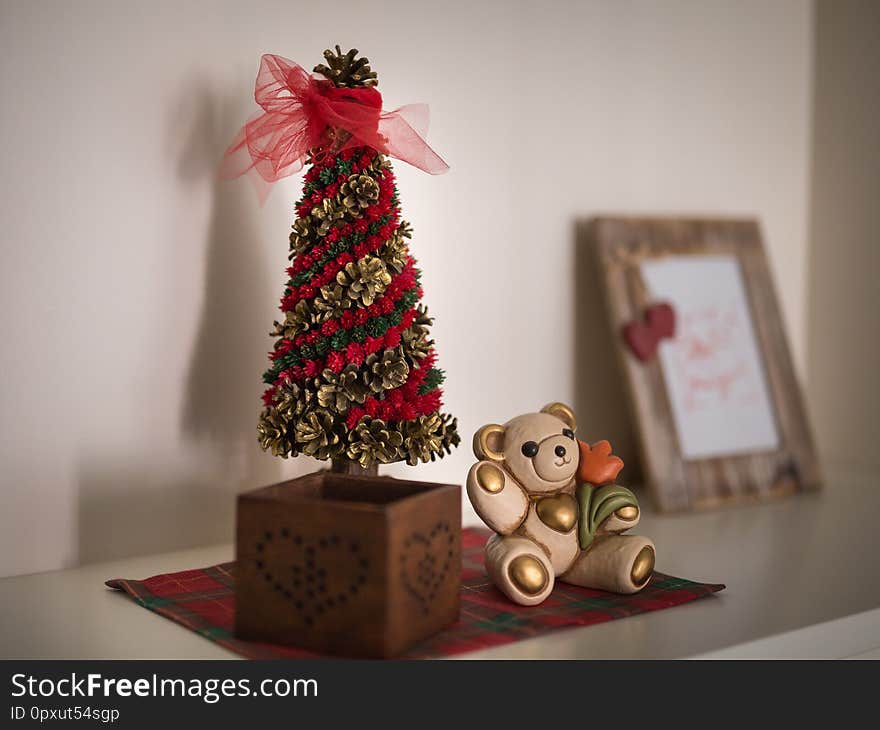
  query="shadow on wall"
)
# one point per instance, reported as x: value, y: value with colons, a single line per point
x: 136, y: 507
x: 143, y: 503
x: 600, y: 396
x: 224, y: 384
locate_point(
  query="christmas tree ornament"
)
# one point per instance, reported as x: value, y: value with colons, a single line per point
x: 353, y: 377
x: 555, y: 509
x: 351, y: 302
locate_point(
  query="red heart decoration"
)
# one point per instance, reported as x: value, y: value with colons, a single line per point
x: 643, y: 337
x: 661, y: 319
x: 641, y: 340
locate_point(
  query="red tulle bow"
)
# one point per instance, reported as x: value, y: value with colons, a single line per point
x: 298, y: 111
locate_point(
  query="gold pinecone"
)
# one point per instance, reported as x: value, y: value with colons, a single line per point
x: 316, y: 437
x: 301, y: 236
x: 297, y: 320
x: 327, y: 213
x: 422, y: 438
x: 331, y: 302
x: 416, y: 343
x: 291, y: 400
x: 359, y: 191
x: 422, y: 316
x: 346, y: 69
x: 395, y: 253
x: 338, y: 391
x: 428, y: 437
x: 272, y: 433
x: 372, y: 441
x: 365, y: 279
x: 386, y: 371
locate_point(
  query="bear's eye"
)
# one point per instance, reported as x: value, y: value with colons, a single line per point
x: 568, y: 433
x: 530, y: 449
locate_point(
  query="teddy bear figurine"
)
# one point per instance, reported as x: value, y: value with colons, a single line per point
x: 555, y: 510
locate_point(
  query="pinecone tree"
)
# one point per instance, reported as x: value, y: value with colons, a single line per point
x: 354, y: 375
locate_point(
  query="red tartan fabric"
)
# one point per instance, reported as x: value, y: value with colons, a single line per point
x: 203, y: 600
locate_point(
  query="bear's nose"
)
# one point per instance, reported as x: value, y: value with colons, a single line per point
x: 559, y: 451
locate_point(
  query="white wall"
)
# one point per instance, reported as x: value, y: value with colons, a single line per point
x: 844, y: 354
x: 137, y: 292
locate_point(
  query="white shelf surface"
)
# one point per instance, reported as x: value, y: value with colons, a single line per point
x: 801, y: 575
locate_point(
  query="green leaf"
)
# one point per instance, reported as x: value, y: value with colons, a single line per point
x: 596, y: 505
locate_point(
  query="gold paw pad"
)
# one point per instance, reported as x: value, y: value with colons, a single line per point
x: 643, y: 566
x: 490, y: 478
x: 528, y: 574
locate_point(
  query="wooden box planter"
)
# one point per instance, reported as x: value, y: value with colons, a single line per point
x: 351, y: 565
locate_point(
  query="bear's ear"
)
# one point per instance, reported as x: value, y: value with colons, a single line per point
x: 563, y: 413
x: 489, y: 442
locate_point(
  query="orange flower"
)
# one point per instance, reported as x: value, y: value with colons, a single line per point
x: 597, y: 465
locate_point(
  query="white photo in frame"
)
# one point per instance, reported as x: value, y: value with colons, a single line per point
x: 712, y: 367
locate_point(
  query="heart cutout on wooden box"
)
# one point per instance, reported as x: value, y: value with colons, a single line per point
x: 316, y: 575
x: 425, y: 562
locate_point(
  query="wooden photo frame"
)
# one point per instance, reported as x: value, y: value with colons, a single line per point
x: 717, y: 407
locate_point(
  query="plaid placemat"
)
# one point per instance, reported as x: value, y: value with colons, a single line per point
x: 203, y: 600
